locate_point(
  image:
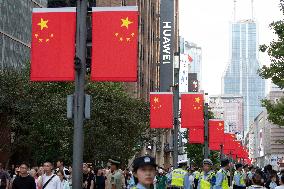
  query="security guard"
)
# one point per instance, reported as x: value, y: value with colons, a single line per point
x: 221, y: 176
x: 207, y: 177
x: 179, y: 177
x: 239, y: 181
x: 144, y: 171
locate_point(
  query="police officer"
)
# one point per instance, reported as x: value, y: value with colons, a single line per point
x: 221, y: 176
x: 239, y: 181
x: 144, y: 171
x: 179, y: 177
x: 196, y: 177
x: 114, y: 180
x: 207, y: 177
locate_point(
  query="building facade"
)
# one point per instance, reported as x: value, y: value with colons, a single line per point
x: 240, y: 76
x: 195, y: 63
x: 263, y: 138
x: 230, y: 108
x: 15, y: 31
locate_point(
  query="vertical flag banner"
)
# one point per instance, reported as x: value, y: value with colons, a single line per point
x: 114, y: 43
x: 196, y: 135
x: 192, y: 110
x: 183, y: 73
x: 53, y: 44
x: 216, y: 131
x: 161, y: 110
x: 166, y: 44
x: 192, y: 82
x: 214, y: 146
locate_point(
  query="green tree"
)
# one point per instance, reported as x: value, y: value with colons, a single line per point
x: 36, y: 114
x: 195, y: 151
x: 275, y: 71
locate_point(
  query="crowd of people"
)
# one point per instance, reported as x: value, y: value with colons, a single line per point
x: 144, y: 174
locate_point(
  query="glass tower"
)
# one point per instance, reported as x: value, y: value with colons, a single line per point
x: 241, y: 77
x: 15, y: 31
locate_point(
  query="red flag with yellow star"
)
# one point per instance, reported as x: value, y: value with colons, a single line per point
x: 114, y: 44
x: 192, y: 110
x: 216, y: 131
x: 53, y: 44
x: 196, y: 135
x: 161, y: 110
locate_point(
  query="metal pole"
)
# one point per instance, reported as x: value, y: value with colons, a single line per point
x: 231, y: 168
x: 221, y: 152
x: 206, y: 132
x: 176, y: 110
x: 80, y: 72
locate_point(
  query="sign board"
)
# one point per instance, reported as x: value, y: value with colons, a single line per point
x: 166, y: 44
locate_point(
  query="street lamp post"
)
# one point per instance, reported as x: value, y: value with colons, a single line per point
x: 176, y: 109
x: 206, y: 130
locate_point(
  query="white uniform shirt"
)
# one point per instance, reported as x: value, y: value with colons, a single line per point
x: 53, y: 184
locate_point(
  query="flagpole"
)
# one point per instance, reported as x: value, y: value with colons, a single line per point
x: 176, y: 109
x: 80, y: 72
x: 206, y: 132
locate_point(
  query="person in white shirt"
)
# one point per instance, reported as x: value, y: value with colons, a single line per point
x: 49, y: 180
x: 281, y: 183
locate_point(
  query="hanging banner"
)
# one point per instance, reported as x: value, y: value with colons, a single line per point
x: 183, y: 73
x: 166, y: 44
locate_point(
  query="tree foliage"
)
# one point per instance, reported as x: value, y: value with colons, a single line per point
x: 196, y: 151
x: 37, y: 118
x: 276, y: 69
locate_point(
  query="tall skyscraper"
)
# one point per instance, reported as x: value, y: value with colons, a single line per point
x: 241, y: 77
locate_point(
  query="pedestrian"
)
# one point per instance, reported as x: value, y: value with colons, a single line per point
x: 34, y: 174
x: 281, y: 183
x: 114, y: 177
x: 88, y: 177
x: 207, y: 178
x: 64, y: 184
x: 49, y: 180
x: 60, y: 166
x: 221, y: 176
x: 24, y: 181
x: 239, y: 178
x: 273, y: 180
x: 256, y: 181
x: 161, y: 179
x: 100, y: 179
x: 144, y: 170
x: 179, y: 177
x: 4, y: 178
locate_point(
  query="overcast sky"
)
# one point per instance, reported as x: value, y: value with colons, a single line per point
x: 207, y: 23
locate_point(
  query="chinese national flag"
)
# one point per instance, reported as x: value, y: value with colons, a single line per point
x: 161, y: 107
x: 192, y: 110
x: 214, y: 146
x: 229, y: 143
x: 216, y: 131
x: 114, y: 44
x: 53, y: 44
x: 196, y: 136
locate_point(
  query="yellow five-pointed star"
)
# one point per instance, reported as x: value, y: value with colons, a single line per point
x: 197, y: 99
x: 156, y: 99
x: 125, y: 22
x: 220, y: 124
x: 43, y: 24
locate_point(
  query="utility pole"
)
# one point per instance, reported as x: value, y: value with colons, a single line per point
x: 176, y: 109
x: 79, y: 97
x: 206, y: 132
